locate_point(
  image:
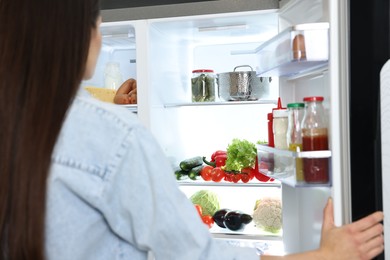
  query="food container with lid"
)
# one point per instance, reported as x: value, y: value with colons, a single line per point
x: 241, y: 85
x: 203, y: 85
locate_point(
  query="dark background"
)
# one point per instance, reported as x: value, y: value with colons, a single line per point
x: 369, y: 31
x: 113, y: 4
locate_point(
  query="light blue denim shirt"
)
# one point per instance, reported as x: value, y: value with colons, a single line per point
x: 112, y: 194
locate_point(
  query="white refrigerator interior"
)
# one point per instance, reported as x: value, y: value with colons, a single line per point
x: 162, y: 53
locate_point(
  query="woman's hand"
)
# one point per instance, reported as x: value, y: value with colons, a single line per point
x: 126, y: 93
x: 362, y: 239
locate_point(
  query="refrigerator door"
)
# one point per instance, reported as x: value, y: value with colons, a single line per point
x: 385, y: 128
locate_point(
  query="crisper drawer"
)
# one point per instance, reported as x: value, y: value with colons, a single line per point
x: 298, y: 49
x: 297, y: 169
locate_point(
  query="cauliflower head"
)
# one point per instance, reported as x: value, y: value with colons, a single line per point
x: 267, y: 214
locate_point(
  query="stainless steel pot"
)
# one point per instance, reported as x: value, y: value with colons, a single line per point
x: 241, y: 85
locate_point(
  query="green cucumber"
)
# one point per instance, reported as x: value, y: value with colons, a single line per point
x: 188, y: 164
x: 180, y: 174
x: 195, y: 172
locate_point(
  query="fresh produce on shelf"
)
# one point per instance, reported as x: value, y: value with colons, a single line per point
x: 217, y: 174
x: 240, y: 154
x: 188, y: 164
x: 207, y: 219
x: 189, y: 168
x: 207, y: 199
x: 206, y: 172
x: 267, y: 214
x: 219, y: 160
x: 217, y: 153
x: 195, y: 172
x: 219, y: 217
x: 231, y: 219
x: 180, y: 174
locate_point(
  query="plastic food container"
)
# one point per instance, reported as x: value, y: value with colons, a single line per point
x: 297, y: 49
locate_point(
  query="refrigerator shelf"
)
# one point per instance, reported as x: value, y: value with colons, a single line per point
x: 221, y: 103
x: 281, y: 165
x: 252, y: 183
x: 298, y: 49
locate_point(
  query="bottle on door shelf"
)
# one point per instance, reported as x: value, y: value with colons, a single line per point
x: 294, y: 135
x: 315, y: 138
x: 280, y: 123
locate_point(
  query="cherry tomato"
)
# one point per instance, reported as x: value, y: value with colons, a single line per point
x: 217, y: 174
x: 236, y: 177
x: 249, y: 171
x: 206, y: 172
x: 245, y: 177
x: 208, y: 220
x: 228, y: 177
x: 199, y: 209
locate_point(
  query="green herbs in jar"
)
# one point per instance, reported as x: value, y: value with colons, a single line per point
x: 203, y: 85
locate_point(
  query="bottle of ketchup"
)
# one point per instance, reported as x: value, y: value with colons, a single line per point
x: 315, y: 138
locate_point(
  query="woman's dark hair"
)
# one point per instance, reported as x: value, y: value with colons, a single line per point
x: 43, y: 51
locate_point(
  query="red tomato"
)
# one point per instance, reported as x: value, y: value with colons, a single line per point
x: 199, y: 209
x: 217, y: 174
x: 245, y: 177
x: 208, y: 220
x: 249, y: 171
x: 236, y: 177
x: 228, y: 177
x: 206, y: 172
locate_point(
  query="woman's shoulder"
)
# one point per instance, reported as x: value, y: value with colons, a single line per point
x: 94, y: 131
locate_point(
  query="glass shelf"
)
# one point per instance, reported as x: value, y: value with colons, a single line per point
x: 282, y: 165
x: 251, y: 183
x: 298, y: 49
x: 219, y: 103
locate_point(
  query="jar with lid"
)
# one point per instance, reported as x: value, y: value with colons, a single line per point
x: 112, y: 75
x: 294, y: 135
x: 315, y: 138
x: 203, y: 85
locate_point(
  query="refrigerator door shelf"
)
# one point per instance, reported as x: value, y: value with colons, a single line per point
x: 296, y: 50
x: 284, y: 165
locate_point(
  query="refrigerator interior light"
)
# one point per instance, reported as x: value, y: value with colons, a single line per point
x: 223, y: 27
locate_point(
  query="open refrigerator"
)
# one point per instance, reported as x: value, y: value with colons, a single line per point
x: 161, y: 53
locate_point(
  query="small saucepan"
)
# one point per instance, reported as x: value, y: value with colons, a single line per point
x: 241, y: 85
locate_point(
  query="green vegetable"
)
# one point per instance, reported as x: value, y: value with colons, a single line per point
x: 268, y: 214
x: 195, y: 172
x: 190, y: 163
x: 240, y: 154
x: 180, y: 174
x: 208, y: 200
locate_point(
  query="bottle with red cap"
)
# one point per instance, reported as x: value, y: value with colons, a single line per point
x: 315, y: 138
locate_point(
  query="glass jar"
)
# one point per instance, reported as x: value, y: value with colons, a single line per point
x: 112, y: 75
x: 294, y: 135
x: 203, y: 85
x: 315, y: 138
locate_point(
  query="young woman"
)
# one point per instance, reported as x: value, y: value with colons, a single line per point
x: 82, y: 179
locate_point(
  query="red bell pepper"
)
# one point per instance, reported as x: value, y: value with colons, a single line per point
x: 217, y: 153
x: 219, y: 161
